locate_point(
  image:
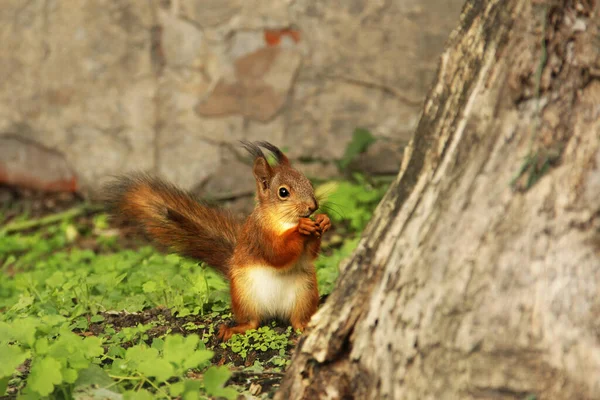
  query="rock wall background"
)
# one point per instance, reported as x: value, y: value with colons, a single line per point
x: 95, y: 88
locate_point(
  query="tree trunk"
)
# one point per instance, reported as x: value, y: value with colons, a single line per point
x: 479, y: 275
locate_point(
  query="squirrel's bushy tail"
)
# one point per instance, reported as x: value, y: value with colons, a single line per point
x: 175, y: 218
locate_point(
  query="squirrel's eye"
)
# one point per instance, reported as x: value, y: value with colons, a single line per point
x: 283, y: 192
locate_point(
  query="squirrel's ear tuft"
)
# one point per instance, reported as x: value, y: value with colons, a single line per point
x: 253, y: 149
x: 262, y: 173
x: 281, y: 158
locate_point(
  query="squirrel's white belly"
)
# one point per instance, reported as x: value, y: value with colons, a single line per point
x: 275, y: 293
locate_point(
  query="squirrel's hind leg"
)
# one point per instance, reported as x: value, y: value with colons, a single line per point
x: 226, y: 332
x: 245, y: 315
x: 306, y: 305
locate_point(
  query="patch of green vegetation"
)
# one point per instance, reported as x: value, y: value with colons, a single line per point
x: 262, y: 339
x: 125, y: 336
x: 328, y: 265
x: 361, y: 140
x: 350, y: 205
x: 53, y: 292
x: 80, y: 282
x: 166, y: 360
x: 59, y: 358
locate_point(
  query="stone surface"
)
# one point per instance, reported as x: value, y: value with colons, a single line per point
x: 263, y: 81
x: 29, y: 164
x: 76, y: 82
x: 381, y: 158
x: 323, y: 117
x: 170, y: 86
x: 231, y: 180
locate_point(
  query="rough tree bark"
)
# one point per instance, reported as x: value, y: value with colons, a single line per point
x: 479, y: 275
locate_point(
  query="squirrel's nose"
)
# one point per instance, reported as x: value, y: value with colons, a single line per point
x: 312, y: 208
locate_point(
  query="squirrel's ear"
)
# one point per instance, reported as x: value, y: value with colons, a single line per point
x: 281, y: 158
x: 262, y: 173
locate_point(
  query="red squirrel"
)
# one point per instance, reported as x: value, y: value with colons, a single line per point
x: 268, y: 258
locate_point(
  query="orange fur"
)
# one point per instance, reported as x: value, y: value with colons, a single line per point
x: 289, y: 260
x: 305, y: 309
x: 286, y: 248
x: 175, y: 219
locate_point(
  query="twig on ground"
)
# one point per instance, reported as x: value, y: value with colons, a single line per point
x: 50, y: 219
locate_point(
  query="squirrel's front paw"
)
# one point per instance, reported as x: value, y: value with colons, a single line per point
x: 307, y: 226
x: 323, y: 223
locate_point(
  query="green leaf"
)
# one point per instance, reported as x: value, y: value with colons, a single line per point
x: 75, y: 351
x: 191, y: 390
x: 197, y: 358
x: 12, y: 357
x: 29, y: 394
x: 4, y: 385
x: 132, y: 303
x: 97, y: 318
x: 188, y: 389
x: 142, y: 394
x: 50, y: 321
x: 158, y: 344
x: 116, y: 352
x: 161, y: 369
x: 172, y: 258
x: 44, y: 375
x: 140, y: 354
x: 177, y: 348
x: 177, y: 388
x: 118, y: 367
x: 57, y: 279
x: 42, y: 346
x: 149, y: 287
x: 80, y: 323
x: 92, y: 347
x: 22, y: 330
x: 101, y: 221
x: 93, y: 376
x: 361, y: 140
x: 69, y: 374
x: 184, y: 312
x: 25, y: 300
x: 214, y: 380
